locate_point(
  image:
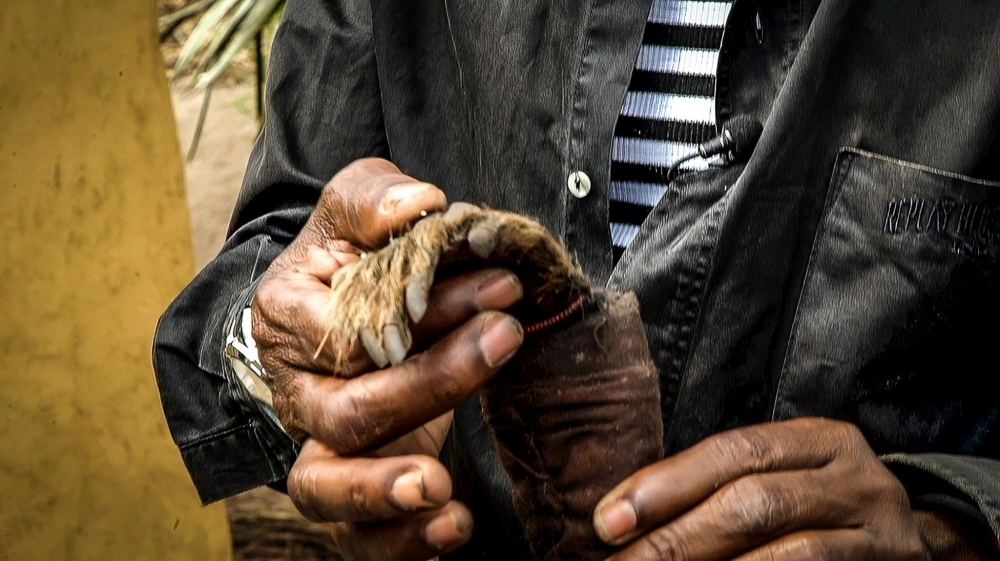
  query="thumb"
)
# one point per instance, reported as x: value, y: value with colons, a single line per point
x: 369, y: 201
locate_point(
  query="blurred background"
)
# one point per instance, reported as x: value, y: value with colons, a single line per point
x: 108, y: 206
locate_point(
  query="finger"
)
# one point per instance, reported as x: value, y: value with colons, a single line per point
x: 750, y: 511
x: 367, y: 411
x: 294, y: 310
x: 823, y: 545
x: 328, y: 488
x: 455, y: 300
x: 659, y: 493
x: 419, y: 537
x: 427, y: 439
x: 370, y: 200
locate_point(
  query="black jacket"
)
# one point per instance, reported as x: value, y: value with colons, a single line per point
x: 848, y: 268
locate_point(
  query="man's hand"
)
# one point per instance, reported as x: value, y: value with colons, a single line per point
x: 370, y: 437
x: 800, y: 489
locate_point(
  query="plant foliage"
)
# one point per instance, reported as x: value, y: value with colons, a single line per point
x: 224, y: 28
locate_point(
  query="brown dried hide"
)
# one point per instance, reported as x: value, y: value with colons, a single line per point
x: 576, y: 412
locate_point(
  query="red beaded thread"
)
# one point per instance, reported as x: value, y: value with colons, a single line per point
x: 572, y: 309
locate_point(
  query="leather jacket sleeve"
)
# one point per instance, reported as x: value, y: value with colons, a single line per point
x: 320, y: 117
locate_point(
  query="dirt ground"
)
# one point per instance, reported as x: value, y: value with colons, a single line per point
x: 215, y: 173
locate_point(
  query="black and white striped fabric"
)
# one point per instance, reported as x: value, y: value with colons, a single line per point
x: 668, y: 110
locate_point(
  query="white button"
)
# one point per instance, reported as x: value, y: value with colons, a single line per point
x: 578, y: 184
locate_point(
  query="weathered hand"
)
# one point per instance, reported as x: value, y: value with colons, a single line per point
x: 381, y: 514
x: 359, y: 209
x: 369, y: 440
x: 802, y: 489
x: 391, y: 504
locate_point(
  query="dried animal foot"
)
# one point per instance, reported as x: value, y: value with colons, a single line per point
x: 376, y: 299
x: 576, y: 411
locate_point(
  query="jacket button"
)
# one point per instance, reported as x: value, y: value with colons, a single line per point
x: 578, y: 183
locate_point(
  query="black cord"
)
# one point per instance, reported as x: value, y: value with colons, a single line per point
x: 672, y: 170
x: 739, y: 134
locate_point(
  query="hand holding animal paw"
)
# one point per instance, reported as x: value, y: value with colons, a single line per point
x: 379, y: 298
x: 572, y: 415
x: 576, y: 410
x: 367, y: 463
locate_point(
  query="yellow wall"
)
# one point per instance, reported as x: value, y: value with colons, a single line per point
x: 94, y: 242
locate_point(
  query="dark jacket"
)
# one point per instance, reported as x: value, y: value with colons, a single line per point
x: 848, y: 268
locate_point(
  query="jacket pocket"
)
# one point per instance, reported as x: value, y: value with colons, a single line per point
x: 896, y: 327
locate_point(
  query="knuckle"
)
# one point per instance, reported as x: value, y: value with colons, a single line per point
x: 263, y: 296
x: 267, y: 315
x: 664, y: 543
x: 915, y: 550
x: 302, y: 490
x: 755, y: 508
x: 888, y: 487
x: 448, y: 389
x: 849, y: 434
x: 359, y: 502
x: 350, y: 423
x: 743, y: 447
x: 335, y: 208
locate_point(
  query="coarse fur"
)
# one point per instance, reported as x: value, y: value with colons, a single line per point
x: 376, y: 299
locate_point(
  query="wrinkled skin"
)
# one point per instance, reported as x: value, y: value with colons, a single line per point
x: 807, y: 488
x: 804, y: 488
x: 369, y: 443
x: 377, y: 299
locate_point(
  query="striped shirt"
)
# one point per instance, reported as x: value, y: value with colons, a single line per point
x: 668, y: 110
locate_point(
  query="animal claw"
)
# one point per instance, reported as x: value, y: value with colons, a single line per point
x: 458, y: 211
x: 483, y: 238
x: 397, y: 342
x: 377, y: 299
x: 417, y: 292
x: 373, y: 347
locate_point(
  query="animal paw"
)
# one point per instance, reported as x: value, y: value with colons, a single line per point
x: 377, y: 300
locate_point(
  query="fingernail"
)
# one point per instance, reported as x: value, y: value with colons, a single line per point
x: 403, y: 193
x: 500, y: 338
x: 446, y: 531
x: 407, y: 491
x: 498, y: 292
x: 615, y: 521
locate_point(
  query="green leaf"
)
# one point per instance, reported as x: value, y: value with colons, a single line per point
x: 249, y: 26
x: 202, y: 34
